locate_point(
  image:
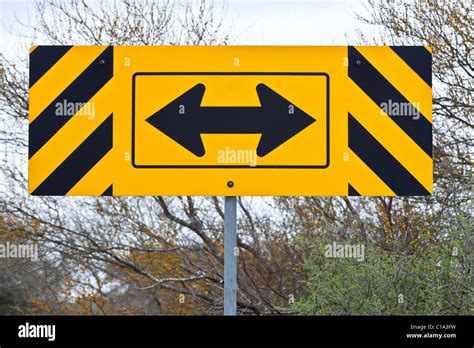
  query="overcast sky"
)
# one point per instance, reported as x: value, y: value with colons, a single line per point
x: 255, y: 22
x: 293, y: 22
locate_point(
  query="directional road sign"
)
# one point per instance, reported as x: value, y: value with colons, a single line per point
x: 230, y: 120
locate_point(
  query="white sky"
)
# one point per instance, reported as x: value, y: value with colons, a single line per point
x: 293, y: 22
x: 254, y: 22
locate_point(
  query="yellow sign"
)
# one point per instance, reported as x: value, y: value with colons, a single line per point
x: 227, y: 120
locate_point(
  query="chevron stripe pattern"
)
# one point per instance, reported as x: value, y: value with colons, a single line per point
x: 70, y: 133
x: 389, y: 120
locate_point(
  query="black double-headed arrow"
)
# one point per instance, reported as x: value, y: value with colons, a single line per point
x: 184, y: 120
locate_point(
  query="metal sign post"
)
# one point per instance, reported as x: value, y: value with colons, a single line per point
x: 230, y: 256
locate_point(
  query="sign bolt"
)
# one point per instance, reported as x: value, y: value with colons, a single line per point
x: 102, y: 62
x: 358, y: 62
x: 230, y: 183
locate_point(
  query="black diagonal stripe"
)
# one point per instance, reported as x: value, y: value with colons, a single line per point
x: 73, y: 169
x: 352, y: 191
x: 381, y: 162
x: 43, y: 58
x: 417, y: 58
x: 381, y: 91
x: 81, y: 90
x: 109, y: 191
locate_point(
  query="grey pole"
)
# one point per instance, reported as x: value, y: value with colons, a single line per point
x: 230, y: 257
